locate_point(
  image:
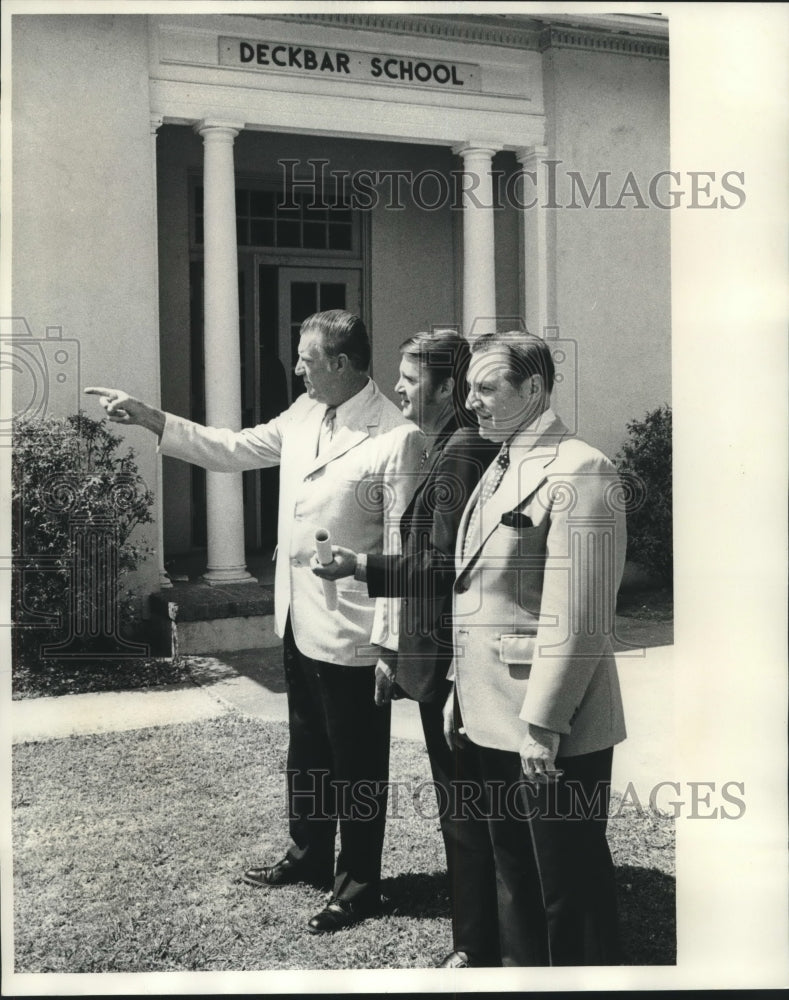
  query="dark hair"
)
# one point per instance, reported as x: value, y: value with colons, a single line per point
x: 341, y: 333
x: 528, y: 355
x: 443, y: 354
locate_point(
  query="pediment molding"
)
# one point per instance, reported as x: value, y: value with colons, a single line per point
x: 454, y: 29
x: 531, y: 34
x: 558, y: 37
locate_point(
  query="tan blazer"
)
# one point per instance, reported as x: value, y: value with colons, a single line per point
x: 534, y: 601
x: 357, y: 489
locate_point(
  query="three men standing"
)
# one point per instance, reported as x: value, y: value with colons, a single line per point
x: 535, y: 708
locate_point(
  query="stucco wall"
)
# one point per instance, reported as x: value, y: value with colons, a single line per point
x: 611, y: 295
x: 83, y: 208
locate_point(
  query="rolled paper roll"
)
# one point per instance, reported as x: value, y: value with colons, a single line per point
x: 323, y: 552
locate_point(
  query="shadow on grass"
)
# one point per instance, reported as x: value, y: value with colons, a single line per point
x: 647, y: 909
x: 635, y: 633
x: 36, y: 677
x: 417, y: 894
x: 647, y: 916
x: 644, y: 617
x: 262, y: 665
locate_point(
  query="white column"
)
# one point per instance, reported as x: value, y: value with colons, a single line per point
x: 225, y: 504
x: 164, y: 579
x: 534, y: 223
x: 479, y: 268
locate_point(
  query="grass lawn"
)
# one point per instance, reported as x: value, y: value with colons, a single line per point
x: 128, y: 849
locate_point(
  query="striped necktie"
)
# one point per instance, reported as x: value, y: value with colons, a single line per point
x: 490, y: 483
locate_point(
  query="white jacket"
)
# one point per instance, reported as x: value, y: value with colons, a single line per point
x: 357, y: 490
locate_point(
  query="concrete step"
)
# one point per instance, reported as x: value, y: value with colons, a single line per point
x: 193, y: 618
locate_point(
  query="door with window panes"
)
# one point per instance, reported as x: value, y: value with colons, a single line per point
x: 293, y: 261
x: 302, y: 292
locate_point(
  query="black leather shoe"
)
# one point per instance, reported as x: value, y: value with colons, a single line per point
x: 339, y: 913
x: 284, y: 872
x: 455, y: 960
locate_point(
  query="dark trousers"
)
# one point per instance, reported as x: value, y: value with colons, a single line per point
x: 554, y: 873
x: 338, y: 769
x: 470, y: 866
x: 574, y: 860
x: 519, y: 914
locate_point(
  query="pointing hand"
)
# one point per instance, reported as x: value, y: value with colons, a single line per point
x: 121, y: 408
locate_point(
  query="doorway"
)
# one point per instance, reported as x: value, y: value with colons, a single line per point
x: 302, y: 292
x: 274, y: 298
x: 285, y: 296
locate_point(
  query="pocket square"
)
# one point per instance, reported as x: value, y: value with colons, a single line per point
x: 515, y: 519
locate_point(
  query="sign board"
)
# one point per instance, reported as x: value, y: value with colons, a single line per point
x: 347, y: 64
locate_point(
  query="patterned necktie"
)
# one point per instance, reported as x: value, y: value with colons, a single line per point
x: 327, y: 428
x: 490, y: 483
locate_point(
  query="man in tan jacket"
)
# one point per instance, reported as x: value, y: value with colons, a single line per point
x: 540, y: 554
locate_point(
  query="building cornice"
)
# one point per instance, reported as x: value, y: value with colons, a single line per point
x: 560, y: 37
x: 450, y: 28
x: 614, y: 35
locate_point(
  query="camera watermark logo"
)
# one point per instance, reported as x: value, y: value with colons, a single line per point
x: 564, y: 354
x: 564, y: 399
x: 44, y: 372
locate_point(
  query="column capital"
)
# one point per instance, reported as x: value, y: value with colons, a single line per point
x: 469, y: 148
x: 529, y: 155
x: 218, y: 127
x: 156, y: 122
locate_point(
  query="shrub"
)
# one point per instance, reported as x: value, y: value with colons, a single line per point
x: 646, y: 455
x: 75, y: 504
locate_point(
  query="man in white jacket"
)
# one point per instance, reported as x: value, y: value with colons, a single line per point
x: 348, y: 461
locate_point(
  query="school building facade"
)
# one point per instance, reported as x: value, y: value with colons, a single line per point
x: 187, y: 188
